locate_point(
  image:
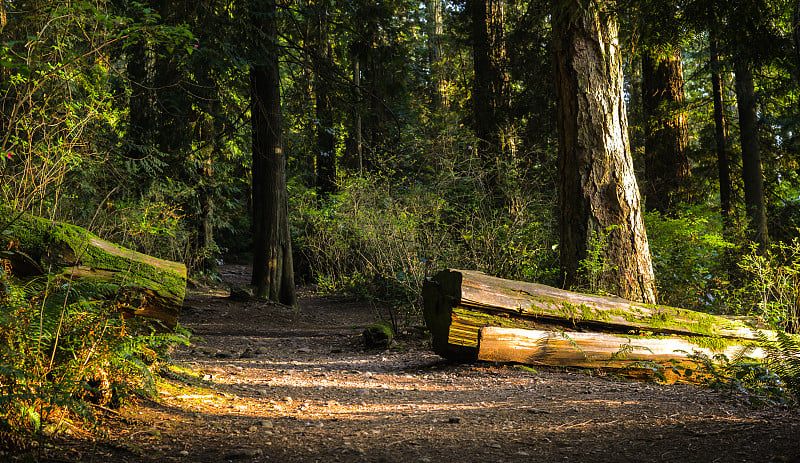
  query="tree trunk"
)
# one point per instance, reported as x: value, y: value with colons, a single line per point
x: 326, y: 141
x: 273, y: 273
x: 207, y: 128
x: 598, y: 194
x: 721, y: 139
x: 359, y: 140
x: 496, y: 24
x: 796, y: 37
x: 483, y: 112
x: 751, y: 156
x: 593, y: 350
x: 435, y: 32
x: 142, y: 285
x: 141, y: 103
x: 666, y: 163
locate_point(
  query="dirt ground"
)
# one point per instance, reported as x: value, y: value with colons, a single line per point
x: 274, y: 384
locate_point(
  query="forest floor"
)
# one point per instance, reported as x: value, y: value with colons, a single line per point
x: 266, y: 383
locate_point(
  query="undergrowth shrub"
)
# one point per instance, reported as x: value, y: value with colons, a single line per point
x: 688, y: 254
x: 379, y: 240
x: 64, y: 346
x: 771, y: 291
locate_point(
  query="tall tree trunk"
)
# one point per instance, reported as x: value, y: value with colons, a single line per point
x: 359, y: 140
x: 482, y: 109
x: 496, y: 23
x: 435, y: 32
x: 273, y: 274
x: 796, y: 36
x: 752, y: 173
x: 598, y: 194
x: 721, y: 138
x: 326, y: 141
x: 141, y: 104
x: 666, y: 163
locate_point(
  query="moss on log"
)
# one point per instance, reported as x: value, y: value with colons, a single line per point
x: 460, y: 305
x: 151, y: 287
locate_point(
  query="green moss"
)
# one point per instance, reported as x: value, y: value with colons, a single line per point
x: 545, y: 305
x: 59, y: 246
x: 713, y: 343
x: 379, y: 335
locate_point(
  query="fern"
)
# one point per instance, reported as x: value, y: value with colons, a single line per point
x: 63, y: 343
x: 776, y: 379
x: 783, y: 358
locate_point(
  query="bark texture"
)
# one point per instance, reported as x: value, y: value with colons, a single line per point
x: 435, y: 32
x: 666, y: 163
x: 752, y: 172
x: 273, y: 274
x: 721, y: 138
x: 598, y: 192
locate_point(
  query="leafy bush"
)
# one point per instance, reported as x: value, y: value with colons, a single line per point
x: 689, y: 254
x: 64, y: 345
x: 379, y: 240
x: 772, y: 289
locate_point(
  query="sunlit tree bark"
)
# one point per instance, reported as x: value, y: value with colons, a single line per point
x: 598, y: 195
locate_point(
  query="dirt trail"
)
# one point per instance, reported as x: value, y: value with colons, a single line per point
x: 280, y: 385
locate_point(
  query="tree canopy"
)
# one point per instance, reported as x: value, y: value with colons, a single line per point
x: 415, y: 136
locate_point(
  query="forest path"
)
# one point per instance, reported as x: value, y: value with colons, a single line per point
x: 279, y: 385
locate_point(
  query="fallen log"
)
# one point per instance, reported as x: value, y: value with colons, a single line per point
x: 147, y: 286
x: 597, y: 350
x: 473, y: 316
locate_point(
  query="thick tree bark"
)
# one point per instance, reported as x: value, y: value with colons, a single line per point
x: 273, y: 273
x: 752, y: 173
x: 666, y: 163
x: 598, y: 193
x: 482, y: 108
x: 721, y: 139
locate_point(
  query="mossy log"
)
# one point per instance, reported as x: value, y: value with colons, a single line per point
x: 148, y: 286
x: 460, y: 305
